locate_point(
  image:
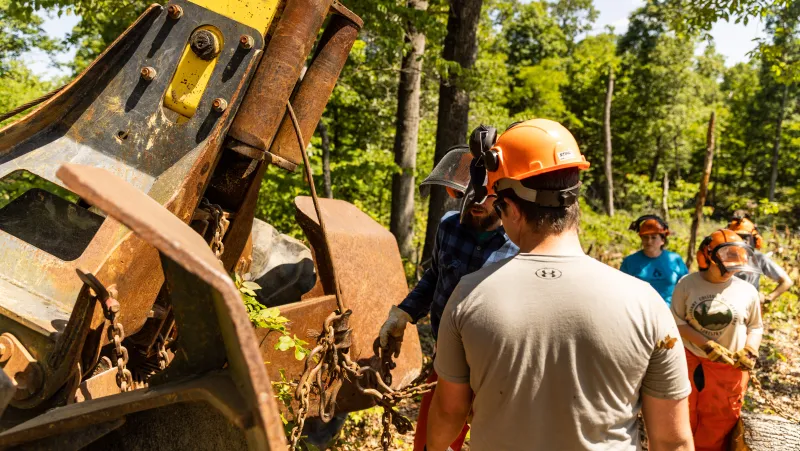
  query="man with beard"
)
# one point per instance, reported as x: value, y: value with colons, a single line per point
x: 464, y: 243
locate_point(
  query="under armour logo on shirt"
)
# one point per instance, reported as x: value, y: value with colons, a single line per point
x: 548, y: 273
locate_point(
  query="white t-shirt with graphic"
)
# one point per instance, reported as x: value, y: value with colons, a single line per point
x: 723, y: 312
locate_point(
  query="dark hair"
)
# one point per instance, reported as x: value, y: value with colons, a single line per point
x: 552, y: 220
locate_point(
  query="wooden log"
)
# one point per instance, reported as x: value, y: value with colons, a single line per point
x: 758, y: 432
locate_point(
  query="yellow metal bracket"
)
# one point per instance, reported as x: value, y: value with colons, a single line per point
x: 192, y: 74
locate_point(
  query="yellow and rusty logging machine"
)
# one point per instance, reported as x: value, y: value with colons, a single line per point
x: 120, y: 326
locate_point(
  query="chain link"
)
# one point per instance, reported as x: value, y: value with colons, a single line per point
x: 329, y: 363
x: 117, y: 334
x: 221, y: 224
x: 163, y: 357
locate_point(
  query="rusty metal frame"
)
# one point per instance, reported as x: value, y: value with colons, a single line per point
x: 171, y: 162
x: 221, y: 156
x: 205, y: 300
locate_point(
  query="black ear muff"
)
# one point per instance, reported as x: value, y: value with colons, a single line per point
x: 481, y: 141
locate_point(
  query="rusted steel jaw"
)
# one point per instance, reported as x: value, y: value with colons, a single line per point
x: 216, y: 338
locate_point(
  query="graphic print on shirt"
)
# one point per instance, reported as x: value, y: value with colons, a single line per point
x: 657, y: 274
x: 711, y: 314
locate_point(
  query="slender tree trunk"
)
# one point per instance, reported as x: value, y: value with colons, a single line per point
x: 656, y: 159
x: 327, y: 190
x: 665, y: 197
x: 773, y: 178
x: 701, y: 196
x: 677, y: 158
x: 460, y: 46
x: 401, y: 223
x: 607, y: 133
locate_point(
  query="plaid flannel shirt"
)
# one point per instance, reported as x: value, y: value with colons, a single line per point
x: 456, y: 253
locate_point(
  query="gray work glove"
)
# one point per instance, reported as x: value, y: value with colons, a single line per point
x: 395, y: 326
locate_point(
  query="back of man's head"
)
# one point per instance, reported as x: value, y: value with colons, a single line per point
x: 548, y: 220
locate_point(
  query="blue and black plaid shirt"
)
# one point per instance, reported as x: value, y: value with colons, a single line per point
x: 457, y: 251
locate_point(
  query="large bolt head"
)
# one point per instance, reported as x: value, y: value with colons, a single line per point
x: 204, y: 44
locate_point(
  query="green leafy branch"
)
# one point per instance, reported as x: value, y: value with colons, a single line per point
x: 269, y: 318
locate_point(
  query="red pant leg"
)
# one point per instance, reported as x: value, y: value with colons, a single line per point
x: 719, y: 404
x: 420, y: 435
x: 692, y: 361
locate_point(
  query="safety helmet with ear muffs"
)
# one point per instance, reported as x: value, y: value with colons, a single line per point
x: 747, y: 229
x: 727, y: 250
x: 650, y: 225
x: 530, y: 148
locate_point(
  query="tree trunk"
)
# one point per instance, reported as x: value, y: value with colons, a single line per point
x: 607, y: 133
x: 401, y: 223
x: 701, y: 196
x: 665, y: 197
x: 327, y: 189
x: 773, y: 178
x: 656, y: 159
x: 460, y: 46
x: 677, y: 158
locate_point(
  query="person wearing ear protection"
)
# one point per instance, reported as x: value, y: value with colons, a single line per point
x: 745, y: 228
x: 466, y: 241
x: 554, y: 349
x: 719, y: 319
x: 659, y: 267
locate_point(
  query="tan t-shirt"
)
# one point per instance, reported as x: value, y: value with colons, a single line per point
x: 723, y: 312
x: 558, y: 351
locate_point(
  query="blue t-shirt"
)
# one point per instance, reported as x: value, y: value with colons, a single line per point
x: 662, y: 272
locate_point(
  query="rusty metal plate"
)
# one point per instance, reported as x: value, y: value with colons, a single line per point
x: 178, y: 243
x: 371, y: 277
x: 217, y: 389
x: 98, y: 386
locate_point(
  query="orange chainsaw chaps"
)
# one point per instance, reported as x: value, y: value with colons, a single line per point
x: 715, y: 403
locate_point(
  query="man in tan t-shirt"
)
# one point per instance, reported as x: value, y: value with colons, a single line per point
x: 719, y: 317
x: 559, y: 351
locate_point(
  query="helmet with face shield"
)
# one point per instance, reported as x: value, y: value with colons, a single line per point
x: 728, y: 251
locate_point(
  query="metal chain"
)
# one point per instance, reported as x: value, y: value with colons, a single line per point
x: 386, y: 433
x: 163, y: 357
x: 221, y: 224
x: 117, y: 333
x: 329, y: 361
x: 327, y: 365
x: 769, y: 401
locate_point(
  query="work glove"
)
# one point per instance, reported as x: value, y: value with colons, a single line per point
x: 718, y: 353
x: 746, y: 358
x: 394, y: 326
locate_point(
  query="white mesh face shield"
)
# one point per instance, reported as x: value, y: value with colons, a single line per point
x: 452, y: 171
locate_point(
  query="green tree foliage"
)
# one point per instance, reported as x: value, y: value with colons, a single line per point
x: 535, y: 59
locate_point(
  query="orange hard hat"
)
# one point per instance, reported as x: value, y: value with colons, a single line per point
x: 726, y: 249
x: 650, y: 225
x: 531, y: 148
x: 743, y: 226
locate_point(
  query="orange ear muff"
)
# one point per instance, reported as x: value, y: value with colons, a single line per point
x: 759, y: 241
x: 703, y: 258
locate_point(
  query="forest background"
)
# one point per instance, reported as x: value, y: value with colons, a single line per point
x: 425, y: 72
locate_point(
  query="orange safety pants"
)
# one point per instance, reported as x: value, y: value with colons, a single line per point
x: 420, y: 435
x: 716, y: 401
